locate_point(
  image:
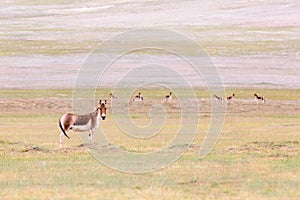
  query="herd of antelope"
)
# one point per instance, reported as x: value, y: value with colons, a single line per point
x: 230, y: 98
x: 90, y: 122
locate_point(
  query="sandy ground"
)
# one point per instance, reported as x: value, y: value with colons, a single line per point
x: 252, y: 43
x: 40, y: 72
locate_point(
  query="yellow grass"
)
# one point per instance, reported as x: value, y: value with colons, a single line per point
x: 256, y: 157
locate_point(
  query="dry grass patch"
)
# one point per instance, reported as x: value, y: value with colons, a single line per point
x: 256, y: 157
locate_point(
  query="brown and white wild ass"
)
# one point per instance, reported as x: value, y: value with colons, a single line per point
x: 80, y: 123
x: 258, y: 98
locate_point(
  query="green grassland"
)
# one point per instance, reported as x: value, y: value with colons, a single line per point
x: 256, y: 157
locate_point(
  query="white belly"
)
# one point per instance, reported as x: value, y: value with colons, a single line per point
x: 81, y: 128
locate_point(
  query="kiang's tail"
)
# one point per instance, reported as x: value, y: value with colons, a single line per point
x: 62, y: 129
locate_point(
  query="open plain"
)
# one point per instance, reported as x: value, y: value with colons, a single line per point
x: 253, y: 44
x: 256, y: 157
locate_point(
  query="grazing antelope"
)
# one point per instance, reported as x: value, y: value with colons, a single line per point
x: 138, y: 97
x: 168, y: 97
x: 258, y: 98
x: 217, y: 99
x: 112, y: 97
x: 230, y: 98
x: 80, y: 123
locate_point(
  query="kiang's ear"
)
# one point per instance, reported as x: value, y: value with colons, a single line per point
x: 105, y: 101
x: 100, y: 101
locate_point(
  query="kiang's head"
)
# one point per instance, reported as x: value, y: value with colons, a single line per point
x: 102, y: 108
